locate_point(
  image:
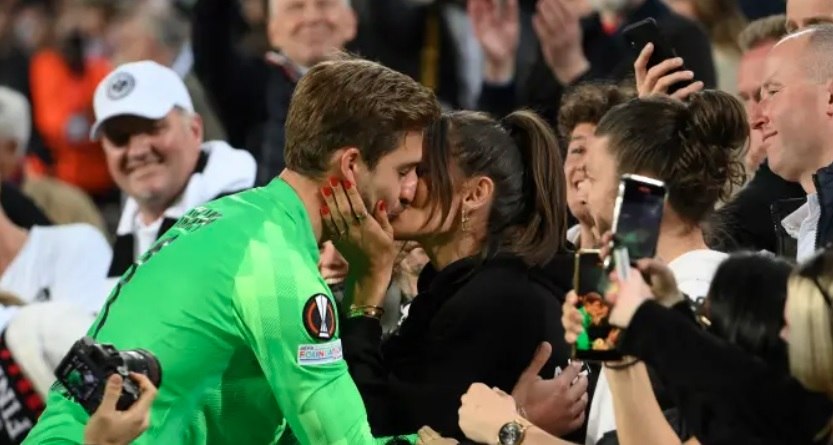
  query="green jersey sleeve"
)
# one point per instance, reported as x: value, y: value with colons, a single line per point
x: 62, y: 423
x: 288, y: 316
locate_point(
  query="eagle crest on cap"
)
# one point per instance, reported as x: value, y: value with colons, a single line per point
x: 120, y: 85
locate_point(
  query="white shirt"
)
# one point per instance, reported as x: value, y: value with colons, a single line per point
x: 58, y: 263
x: 693, y: 271
x: 802, y: 225
x: 573, y: 234
x: 146, y: 234
x: 227, y: 170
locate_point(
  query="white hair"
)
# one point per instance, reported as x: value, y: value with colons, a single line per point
x: 162, y: 21
x: 15, y: 118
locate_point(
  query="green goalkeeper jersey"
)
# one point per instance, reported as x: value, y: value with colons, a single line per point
x: 246, y: 331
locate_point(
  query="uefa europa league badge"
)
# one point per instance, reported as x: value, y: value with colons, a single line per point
x: 319, y: 317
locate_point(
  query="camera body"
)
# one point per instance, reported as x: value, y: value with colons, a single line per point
x: 85, y: 369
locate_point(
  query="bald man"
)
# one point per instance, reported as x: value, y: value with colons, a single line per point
x: 796, y: 121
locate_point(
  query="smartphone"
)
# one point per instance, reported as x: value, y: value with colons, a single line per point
x: 647, y: 31
x: 637, y: 215
x: 599, y: 339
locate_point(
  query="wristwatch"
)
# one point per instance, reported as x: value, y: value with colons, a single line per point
x: 512, y: 433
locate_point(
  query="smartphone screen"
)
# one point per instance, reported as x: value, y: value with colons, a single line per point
x: 599, y: 339
x: 638, y: 215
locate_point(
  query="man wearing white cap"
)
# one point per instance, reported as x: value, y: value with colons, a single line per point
x: 155, y: 152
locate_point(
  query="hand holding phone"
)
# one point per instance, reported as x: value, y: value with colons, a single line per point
x: 637, y: 215
x: 658, y: 69
x: 597, y: 340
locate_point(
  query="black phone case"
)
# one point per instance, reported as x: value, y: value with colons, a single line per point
x: 647, y: 31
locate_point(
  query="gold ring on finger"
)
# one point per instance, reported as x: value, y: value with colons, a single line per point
x: 361, y: 217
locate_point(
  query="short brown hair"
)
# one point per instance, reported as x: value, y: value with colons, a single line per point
x: 349, y: 102
x: 587, y: 103
x: 767, y: 29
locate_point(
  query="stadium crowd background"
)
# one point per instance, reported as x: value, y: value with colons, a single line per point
x: 119, y: 117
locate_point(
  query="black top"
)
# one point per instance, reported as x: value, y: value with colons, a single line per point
x: 746, y: 222
x: 725, y: 395
x: 468, y: 324
x: 20, y: 209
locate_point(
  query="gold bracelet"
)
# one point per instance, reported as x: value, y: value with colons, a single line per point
x: 366, y: 311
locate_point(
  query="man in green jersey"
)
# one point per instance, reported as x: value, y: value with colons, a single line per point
x: 230, y: 299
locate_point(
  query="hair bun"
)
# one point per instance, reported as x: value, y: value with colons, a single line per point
x: 717, y: 119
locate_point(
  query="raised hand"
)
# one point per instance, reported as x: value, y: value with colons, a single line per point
x: 659, y: 78
x: 497, y: 28
x: 559, y: 32
x: 365, y: 241
x: 626, y: 296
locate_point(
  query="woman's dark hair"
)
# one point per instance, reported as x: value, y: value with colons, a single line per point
x: 693, y: 147
x: 520, y: 155
x: 746, y: 305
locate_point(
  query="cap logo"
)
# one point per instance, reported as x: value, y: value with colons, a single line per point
x: 120, y: 85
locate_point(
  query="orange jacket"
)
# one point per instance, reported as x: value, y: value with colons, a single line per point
x: 62, y: 108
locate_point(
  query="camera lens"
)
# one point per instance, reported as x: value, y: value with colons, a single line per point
x: 143, y: 362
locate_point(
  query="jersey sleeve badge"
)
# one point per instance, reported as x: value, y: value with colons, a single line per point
x: 319, y: 317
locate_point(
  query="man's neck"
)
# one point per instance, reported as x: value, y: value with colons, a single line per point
x: 587, y: 238
x: 308, y: 190
x: 677, y: 238
x: 12, y: 240
x: 824, y: 161
x: 150, y: 214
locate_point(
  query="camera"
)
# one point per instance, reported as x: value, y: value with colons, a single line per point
x: 85, y: 369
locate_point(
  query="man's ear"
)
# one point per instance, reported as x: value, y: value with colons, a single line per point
x: 350, y: 25
x: 478, y: 192
x: 829, y: 93
x: 195, y: 125
x: 348, y: 163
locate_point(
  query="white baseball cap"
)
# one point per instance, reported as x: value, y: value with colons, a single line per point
x: 145, y: 89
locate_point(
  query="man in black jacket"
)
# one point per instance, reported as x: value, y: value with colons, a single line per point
x: 252, y: 93
x: 796, y: 122
x: 752, y: 219
x: 574, y: 50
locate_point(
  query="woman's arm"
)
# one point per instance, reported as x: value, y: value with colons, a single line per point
x: 484, y: 411
x: 639, y: 419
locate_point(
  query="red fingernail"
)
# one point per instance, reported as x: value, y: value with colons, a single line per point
x: 382, y: 206
x: 334, y: 182
x: 347, y: 184
x: 325, y: 210
x: 326, y: 190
